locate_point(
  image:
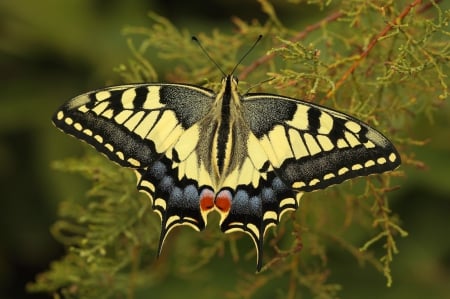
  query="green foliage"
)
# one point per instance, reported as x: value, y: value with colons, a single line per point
x: 384, y: 62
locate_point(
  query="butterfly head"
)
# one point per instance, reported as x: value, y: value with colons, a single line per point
x: 230, y: 80
x: 230, y: 88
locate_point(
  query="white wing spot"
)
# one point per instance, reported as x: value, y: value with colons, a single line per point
x: 98, y: 138
x: 343, y: 170
x: 369, y: 163
x: 341, y: 143
x: 357, y: 167
x: 151, y: 187
x: 270, y: 215
x: 297, y: 185
x: 88, y: 132
x: 351, y: 139
x: 159, y: 201
x: 109, y: 113
x: 381, y: 160
x: 314, y: 182
x: 128, y: 97
x: 134, y: 162
x: 287, y: 201
x: 102, y: 95
x: 312, y: 144
x: 298, y: 146
x: 123, y: 116
x: 353, y: 126
x: 99, y: 108
x: 109, y: 147
x: 369, y: 144
x: 120, y: 155
x: 68, y: 121
x: 78, y: 126
x: 60, y: 115
x: 83, y: 109
x: 329, y: 176
x: 134, y: 121
x: 153, y: 101
x: 171, y: 220
x: 326, y: 123
x: 392, y: 157
x: 300, y: 118
x: 325, y: 142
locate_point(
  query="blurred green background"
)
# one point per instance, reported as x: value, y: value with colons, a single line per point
x: 52, y: 50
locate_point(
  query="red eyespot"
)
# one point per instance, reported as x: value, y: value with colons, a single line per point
x: 206, y: 200
x: 223, y: 201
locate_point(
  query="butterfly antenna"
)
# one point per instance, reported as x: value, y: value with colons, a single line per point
x: 246, y: 53
x: 194, y: 38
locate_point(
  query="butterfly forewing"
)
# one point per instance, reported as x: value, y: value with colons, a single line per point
x: 134, y: 124
x: 312, y: 147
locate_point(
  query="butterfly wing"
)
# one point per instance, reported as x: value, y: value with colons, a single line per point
x: 312, y: 147
x: 299, y: 147
x: 152, y: 128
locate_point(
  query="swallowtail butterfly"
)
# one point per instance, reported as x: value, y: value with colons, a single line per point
x: 249, y: 157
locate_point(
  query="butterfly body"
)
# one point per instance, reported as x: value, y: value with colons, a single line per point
x: 249, y: 157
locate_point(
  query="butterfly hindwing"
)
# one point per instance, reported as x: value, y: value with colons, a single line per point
x: 255, y: 209
x: 176, y: 201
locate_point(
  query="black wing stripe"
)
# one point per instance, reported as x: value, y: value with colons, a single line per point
x: 313, y: 120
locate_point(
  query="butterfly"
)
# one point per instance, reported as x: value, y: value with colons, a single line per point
x: 248, y: 157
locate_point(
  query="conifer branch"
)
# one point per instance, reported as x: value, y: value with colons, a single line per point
x: 299, y: 36
x: 396, y: 21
